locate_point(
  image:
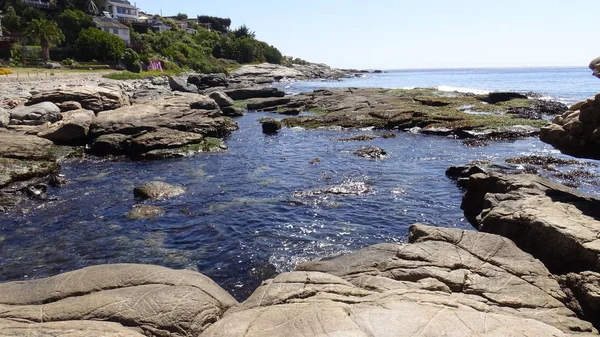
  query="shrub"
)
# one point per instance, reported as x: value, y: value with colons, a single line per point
x: 69, y: 62
x: 4, y: 71
x: 131, y: 60
x: 95, y: 44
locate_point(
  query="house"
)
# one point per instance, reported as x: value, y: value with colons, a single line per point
x: 39, y: 3
x: 114, y: 27
x: 151, y: 22
x: 122, y: 10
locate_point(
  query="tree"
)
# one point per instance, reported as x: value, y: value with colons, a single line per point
x: 11, y: 20
x: 181, y: 17
x: 47, y: 32
x: 72, y: 22
x: 243, y: 31
x: 96, y: 44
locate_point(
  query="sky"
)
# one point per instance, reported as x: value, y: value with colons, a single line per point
x: 388, y: 34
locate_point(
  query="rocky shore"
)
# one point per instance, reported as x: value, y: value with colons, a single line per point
x: 531, y: 268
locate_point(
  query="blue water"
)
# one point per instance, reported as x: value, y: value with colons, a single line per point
x: 243, y: 218
x: 568, y: 85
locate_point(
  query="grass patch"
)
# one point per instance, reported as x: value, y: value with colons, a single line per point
x: 127, y: 75
x: 242, y: 104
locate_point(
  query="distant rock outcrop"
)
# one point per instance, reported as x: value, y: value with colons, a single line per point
x: 577, y: 131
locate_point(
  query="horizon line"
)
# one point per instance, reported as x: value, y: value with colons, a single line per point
x: 472, y: 68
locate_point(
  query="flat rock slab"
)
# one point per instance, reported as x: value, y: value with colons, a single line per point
x: 13, y: 145
x: 154, y: 300
x: 556, y: 224
x: 446, y: 282
x: 95, y: 98
x: 162, y: 124
x: 423, y: 110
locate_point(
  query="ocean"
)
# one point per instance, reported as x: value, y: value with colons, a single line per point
x: 249, y: 213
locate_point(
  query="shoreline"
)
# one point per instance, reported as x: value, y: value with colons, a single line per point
x: 360, y: 283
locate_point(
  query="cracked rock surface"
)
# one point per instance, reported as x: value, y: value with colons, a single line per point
x: 553, y: 222
x: 445, y: 282
x: 152, y: 300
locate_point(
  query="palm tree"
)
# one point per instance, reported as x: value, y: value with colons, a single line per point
x: 47, y: 32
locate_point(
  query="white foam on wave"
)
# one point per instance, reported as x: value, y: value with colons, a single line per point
x: 463, y: 90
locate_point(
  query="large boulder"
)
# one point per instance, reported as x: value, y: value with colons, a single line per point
x: 577, y: 131
x: 554, y: 223
x: 595, y: 66
x: 158, y: 124
x: 178, y: 83
x: 445, y: 282
x: 264, y: 73
x: 35, y: 114
x: 496, y: 97
x: 270, y: 125
x: 204, y: 81
x: 71, y: 130
x: 253, y: 92
x: 222, y: 100
x: 95, y: 98
x: 153, y: 300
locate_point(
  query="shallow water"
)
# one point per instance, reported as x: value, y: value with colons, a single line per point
x: 244, y: 216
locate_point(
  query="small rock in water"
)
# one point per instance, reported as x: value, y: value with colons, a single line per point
x: 270, y: 126
x: 157, y: 190
x: 144, y: 212
x: 371, y: 152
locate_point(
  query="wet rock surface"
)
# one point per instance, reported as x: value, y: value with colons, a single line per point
x: 270, y: 126
x: 419, y: 110
x: 158, y: 190
x: 371, y: 152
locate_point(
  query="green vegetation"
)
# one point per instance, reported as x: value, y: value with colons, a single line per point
x: 66, y: 24
x: 47, y: 32
x: 405, y: 109
x: 95, y: 44
x: 127, y: 75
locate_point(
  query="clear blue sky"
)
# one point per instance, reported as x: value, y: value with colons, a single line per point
x: 395, y: 34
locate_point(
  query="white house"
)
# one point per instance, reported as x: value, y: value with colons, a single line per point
x: 122, y: 10
x: 114, y: 27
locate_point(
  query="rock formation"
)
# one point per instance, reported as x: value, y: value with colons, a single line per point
x: 443, y: 282
x: 577, y: 131
x: 151, y: 300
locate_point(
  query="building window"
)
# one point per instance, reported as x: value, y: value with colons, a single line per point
x: 116, y: 31
x: 107, y: 30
